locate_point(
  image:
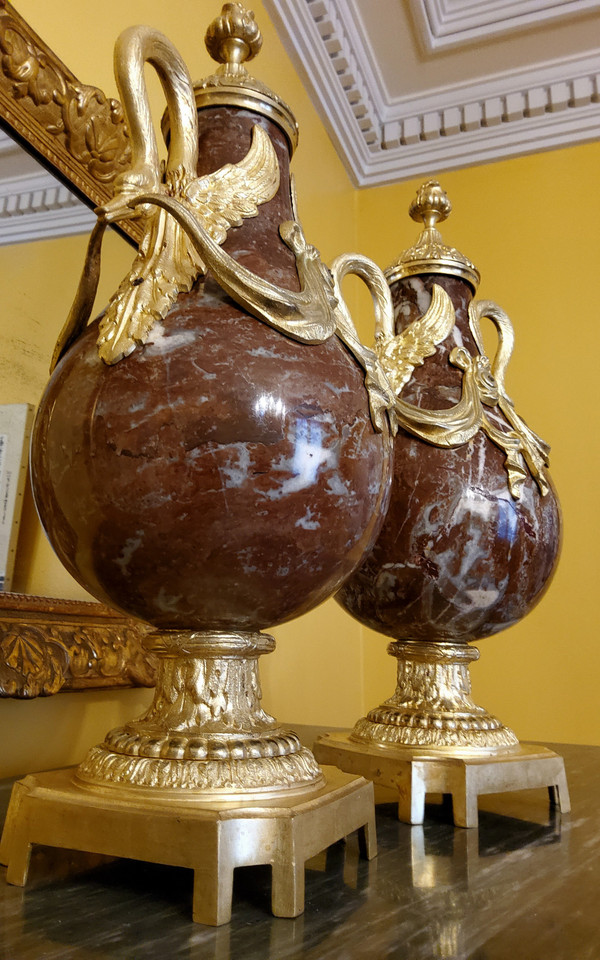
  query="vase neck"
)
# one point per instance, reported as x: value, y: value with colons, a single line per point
x: 438, y: 378
x: 224, y: 136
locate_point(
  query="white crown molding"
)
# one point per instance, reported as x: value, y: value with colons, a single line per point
x: 39, y: 208
x: 449, y: 23
x: 523, y: 111
x: 33, y: 204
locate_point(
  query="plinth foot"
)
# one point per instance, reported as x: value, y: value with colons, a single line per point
x: 415, y: 773
x: 212, y: 839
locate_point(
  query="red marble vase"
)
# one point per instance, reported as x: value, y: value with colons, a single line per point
x: 472, y: 534
x: 222, y: 476
x: 458, y: 557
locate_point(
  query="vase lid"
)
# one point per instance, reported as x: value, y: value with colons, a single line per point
x: 430, y: 254
x: 232, y: 39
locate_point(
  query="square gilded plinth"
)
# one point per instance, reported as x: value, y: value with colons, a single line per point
x: 415, y: 773
x: 209, y: 838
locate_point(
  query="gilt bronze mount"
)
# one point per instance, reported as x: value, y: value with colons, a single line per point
x: 210, y: 839
x: 205, y: 736
x: 414, y: 773
x: 431, y: 737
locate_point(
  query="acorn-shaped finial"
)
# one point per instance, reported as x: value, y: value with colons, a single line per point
x: 233, y: 38
x: 430, y: 254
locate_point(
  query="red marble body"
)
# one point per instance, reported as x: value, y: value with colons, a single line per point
x: 458, y: 558
x: 223, y: 475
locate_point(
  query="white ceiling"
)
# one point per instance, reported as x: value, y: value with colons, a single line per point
x: 411, y: 87
x: 405, y: 87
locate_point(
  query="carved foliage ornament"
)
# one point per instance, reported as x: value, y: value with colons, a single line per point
x: 51, y: 645
x: 432, y: 703
x: 207, y: 713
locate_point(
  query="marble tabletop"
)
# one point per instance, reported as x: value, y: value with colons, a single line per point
x: 523, y: 886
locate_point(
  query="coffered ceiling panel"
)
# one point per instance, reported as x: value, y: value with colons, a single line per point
x: 421, y: 86
x: 445, y: 23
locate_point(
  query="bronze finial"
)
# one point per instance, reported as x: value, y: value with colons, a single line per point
x: 431, y: 205
x: 430, y: 254
x: 233, y: 38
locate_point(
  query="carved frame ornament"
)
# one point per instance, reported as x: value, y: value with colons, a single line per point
x: 50, y: 645
x: 47, y: 645
x: 71, y: 127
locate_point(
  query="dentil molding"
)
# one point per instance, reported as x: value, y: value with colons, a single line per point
x: 383, y: 140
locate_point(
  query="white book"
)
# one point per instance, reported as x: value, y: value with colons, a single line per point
x: 15, y: 428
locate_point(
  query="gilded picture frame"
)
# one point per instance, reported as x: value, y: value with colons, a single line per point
x: 79, y: 134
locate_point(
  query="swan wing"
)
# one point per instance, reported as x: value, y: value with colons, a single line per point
x: 224, y: 198
x: 409, y: 349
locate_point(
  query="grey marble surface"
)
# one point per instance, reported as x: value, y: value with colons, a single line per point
x: 524, y: 885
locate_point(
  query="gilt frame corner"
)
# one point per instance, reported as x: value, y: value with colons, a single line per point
x: 72, y: 128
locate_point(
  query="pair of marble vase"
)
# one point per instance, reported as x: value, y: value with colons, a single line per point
x: 224, y: 477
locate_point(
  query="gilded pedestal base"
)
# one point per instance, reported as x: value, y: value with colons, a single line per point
x: 417, y: 772
x: 205, y: 737
x: 432, y: 705
x: 211, y: 839
x: 431, y: 737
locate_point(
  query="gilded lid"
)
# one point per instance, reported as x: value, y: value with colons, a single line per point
x: 430, y: 254
x: 232, y: 39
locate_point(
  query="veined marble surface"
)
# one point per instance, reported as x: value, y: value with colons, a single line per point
x: 458, y: 557
x: 524, y: 885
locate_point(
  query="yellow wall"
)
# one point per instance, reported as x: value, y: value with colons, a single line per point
x: 529, y: 226
x: 37, y: 285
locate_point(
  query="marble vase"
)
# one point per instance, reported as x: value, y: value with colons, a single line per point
x: 472, y: 535
x: 210, y: 468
